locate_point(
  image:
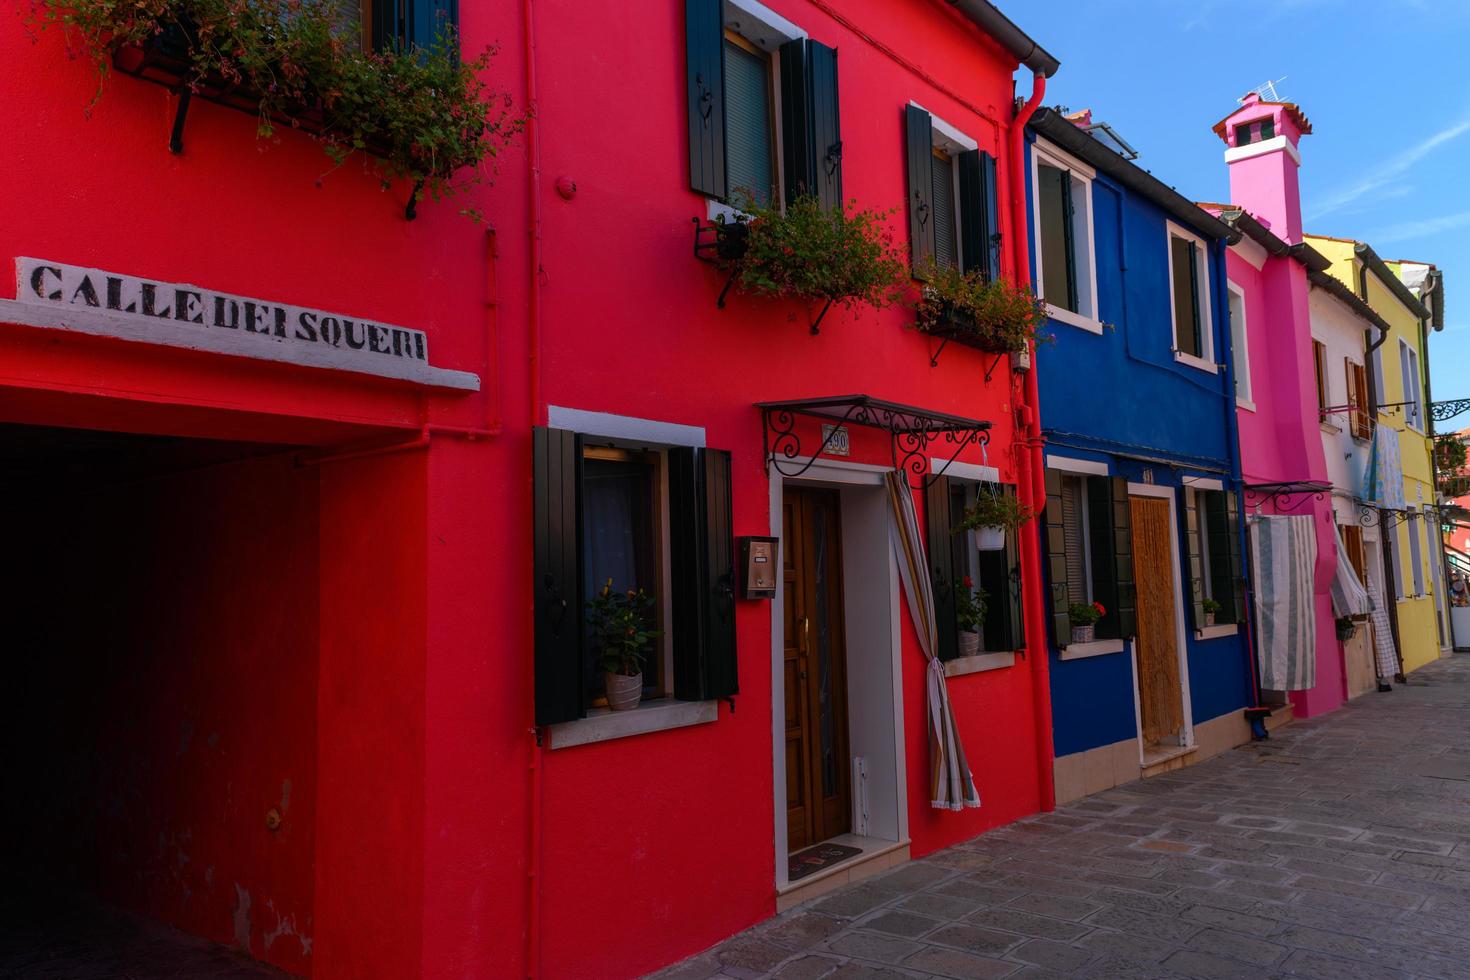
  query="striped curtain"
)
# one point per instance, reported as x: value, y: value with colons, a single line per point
x: 1285, y: 550
x: 951, y: 785
x: 1349, y: 598
x: 1385, y: 654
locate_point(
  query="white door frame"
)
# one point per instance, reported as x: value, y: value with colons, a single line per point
x: 829, y: 473
x: 1170, y: 494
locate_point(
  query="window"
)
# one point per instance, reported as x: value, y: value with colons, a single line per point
x: 1413, y: 386
x: 1089, y: 551
x: 1357, y: 388
x: 655, y: 517
x: 1352, y: 540
x: 1065, y: 263
x: 399, y: 24
x: 1212, y: 532
x: 1395, y: 559
x: 1189, y: 298
x: 953, y: 218
x: 1255, y: 132
x: 1416, y: 551
x: 763, y: 106
x: 1239, y: 352
x: 1324, y: 394
x: 954, y: 557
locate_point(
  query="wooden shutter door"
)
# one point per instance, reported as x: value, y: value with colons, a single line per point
x: 920, y: 146
x: 560, y: 665
x: 704, y: 55
x: 1056, y: 559
x: 943, y: 575
x: 702, y: 550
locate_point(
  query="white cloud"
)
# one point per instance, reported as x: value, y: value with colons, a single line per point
x: 1423, y: 228
x: 1387, y: 171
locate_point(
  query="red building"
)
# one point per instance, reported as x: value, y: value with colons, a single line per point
x: 294, y: 671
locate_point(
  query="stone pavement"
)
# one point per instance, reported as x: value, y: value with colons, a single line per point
x: 1338, y: 849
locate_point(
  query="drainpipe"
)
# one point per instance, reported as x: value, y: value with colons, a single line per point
x: 1385, y: 552
x: 1030, y: 477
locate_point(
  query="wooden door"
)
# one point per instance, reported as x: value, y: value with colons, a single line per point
x: 1160, y: 700
x: 818, y: 767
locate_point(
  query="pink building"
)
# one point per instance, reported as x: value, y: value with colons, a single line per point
x: 1283, y: 465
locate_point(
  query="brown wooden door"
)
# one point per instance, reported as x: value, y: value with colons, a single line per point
x: 818, y: 768
x: 1159, y: 697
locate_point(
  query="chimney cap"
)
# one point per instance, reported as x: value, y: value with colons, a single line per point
x: 1253, y: 99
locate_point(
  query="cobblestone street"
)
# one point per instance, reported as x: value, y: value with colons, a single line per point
x: 1339, y: 849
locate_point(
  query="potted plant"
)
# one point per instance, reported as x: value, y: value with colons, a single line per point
x: 1211, y: 608
x: 969, y: 612
x: 1084, y: 617
x: 1346, y: 628
x: 622, y: 635
x: 990, y: 516
x: 993, y: 315
x: 815, y: 254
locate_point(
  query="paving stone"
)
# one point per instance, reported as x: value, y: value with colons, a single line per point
x: 747, y: 953
x: 802, y: 930
x: 1191, y: 963
x: 1353, y: 947
x: 1014, y: 920
x: 1055, y: 956
x: 866, y: 971
x: 912, y: 877
x: 1324, y: 870
x: 899, y: 923
x: 1237, y: 947
x: 1308, y: 964
x: 939, y: 906
x: 1143, y: 925
x: 853, y: 902
x: 975, y: 939
x: 1253, y: 925
x: 807, y: 967
x: 1366, y: 893
x: 1055, y: 906
x: 953, y: 963
x: 872, y: 946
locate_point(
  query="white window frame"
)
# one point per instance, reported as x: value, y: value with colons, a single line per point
x: 1084, y: 468
x: 747, y: 18
x: 1082, y: 234
x: 1240, y: 351
x: 1416, y: 551
x: 1207, y: 584
x: 1206, y: 362
x: 1413, y: 386
x: 976, y: 474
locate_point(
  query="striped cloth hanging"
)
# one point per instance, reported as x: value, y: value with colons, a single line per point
x: 1349, y: 598
x: 951, y: 784
x: 1285, y: 550
x: 1385, y: 654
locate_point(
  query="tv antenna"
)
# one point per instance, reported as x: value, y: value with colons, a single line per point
x: 1267, y: 91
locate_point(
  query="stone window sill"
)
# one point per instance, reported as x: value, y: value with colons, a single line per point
x: 978, y: 663
x: 1097, y: 648
x: 1215, y: 632
x: 604, y: 725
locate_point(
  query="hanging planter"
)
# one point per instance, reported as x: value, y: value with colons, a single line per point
x: 1346, y: 628
x: 991, y: 516
x: 1083, y: 617
x: 990, y: 537
x: 622, y: 637
x: 821, y: 256
x: 989, y: 315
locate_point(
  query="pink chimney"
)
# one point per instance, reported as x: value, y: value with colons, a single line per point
x: 1264, y: 162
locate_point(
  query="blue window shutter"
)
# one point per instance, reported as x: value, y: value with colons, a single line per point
x: 402, y: 25
x: 919, y: 139
x: 749, y: 144
x: 704, y: 57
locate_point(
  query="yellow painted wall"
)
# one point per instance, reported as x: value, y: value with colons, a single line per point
x: 1419, y: 633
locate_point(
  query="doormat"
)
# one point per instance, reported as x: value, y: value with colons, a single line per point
x: 817, y: 858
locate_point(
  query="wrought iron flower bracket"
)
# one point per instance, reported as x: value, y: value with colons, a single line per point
x: 1444, y: 410
x: 1384, y: 517
x: 911, y: 431
x: 1285, y: 496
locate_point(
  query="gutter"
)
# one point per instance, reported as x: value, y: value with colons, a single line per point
x: 1012, y: 38
x: 1385, y: 275
x: 1239, y: 218
x: 1333, y: 285
x: 1066, y: 135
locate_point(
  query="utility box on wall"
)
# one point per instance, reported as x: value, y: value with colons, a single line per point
x: 759, y: 567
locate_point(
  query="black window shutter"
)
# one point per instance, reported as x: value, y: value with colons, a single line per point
x: 1222, y: 522
x: 1126, y: 602
x: 702, y: 550
x: 1056, y: 559
x: 826, y: 124
x: 1194, y: 532
x: 796, y: 124
x: 557, y: 481
x: 979, y: 217
x: 1008, y: 606
x: 1196, y: 323
x: 704, y: 52
x: 920, y: 146
x: 1069, y: 240
x: 942, y: 572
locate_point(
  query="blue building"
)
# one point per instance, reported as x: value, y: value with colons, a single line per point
x: 1142, y: 465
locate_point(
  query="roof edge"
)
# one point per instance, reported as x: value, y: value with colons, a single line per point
x: 1000, y: 27
x: 1395, y: 285
x: 1238, y: 217
x: 1335, y: 286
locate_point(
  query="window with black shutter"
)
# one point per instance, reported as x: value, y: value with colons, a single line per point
x: 402, y: 25
x: 953, y: 222
x: 956, y: 565
x: 735, y: 64
x: 1212, y: 541
x: 614, y: 514
x: 1089, y: 552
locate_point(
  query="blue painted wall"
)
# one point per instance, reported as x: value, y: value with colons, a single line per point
x: 1106, y: 397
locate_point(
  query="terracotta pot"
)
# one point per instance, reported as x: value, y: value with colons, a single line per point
x: 1084, y: 634
x: 990, y: 538
x: 1209, y: 619
x: 623, y: 692
x: 969, y: 643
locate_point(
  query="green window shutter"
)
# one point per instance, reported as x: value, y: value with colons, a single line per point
x: 1056, y: 559
x: 1194, y: 300
x: 990, y: 218
x: 1069, y: 238
x: 1268, y: 128
x: 704, y: 62
x: 1222, y: 524
x: 1010, y: 606
x: 559, y: 664
x: 1194, y: 531
x: 1186, y: 307
x: 943, y: 575
x: 1054, y: 236
x: 702, y: 550
x: 920, y: 153
x: 941, y: 199
x: 1112, y: 555
x: 749, y: 144
x: 796, y: 142
x: 974, y: 249
x: 811, y: 132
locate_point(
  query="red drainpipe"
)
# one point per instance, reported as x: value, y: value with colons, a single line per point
x: 1031, y: 480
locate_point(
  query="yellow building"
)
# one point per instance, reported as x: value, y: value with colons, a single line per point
x: 1399, y: 373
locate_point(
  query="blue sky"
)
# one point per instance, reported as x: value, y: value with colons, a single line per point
x: 1384, y: 84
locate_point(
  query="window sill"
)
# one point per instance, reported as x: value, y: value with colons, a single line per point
x: 1246, y: 404
x: 1331, y: 429
x: 1097, y: 648
x: 1078, y: 320
x: 979, y: 662
x: 1215, y: 632
x: 1199, y: 363
x: 604, y: 724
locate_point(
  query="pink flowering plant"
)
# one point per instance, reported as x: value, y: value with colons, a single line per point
x: 817, y: 254
x: 969, y: 606
x: 423, y: 114
x: 993, y: 315
x: 622, y: 628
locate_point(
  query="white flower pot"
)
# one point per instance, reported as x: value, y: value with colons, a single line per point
x: 990, y: 538
x: 1084, y: 634
x: 969, y: 644
x: 623, y: 692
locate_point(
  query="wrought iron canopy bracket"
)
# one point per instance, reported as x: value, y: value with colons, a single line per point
x: 911, y: 431
x: 1384, y: 517
x: 1449, y: 408
x: 1285, y: 496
